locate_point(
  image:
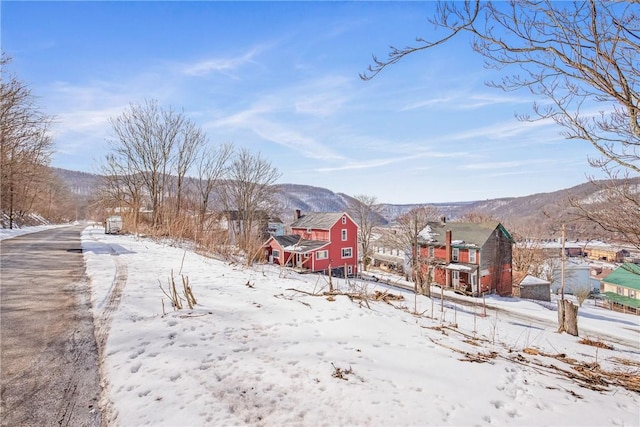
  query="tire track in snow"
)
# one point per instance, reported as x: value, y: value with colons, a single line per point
x: 103, y: 325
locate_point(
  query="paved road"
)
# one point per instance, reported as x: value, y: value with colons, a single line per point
x: 48, y: 356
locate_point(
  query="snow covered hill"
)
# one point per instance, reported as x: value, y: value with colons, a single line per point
x: 542, y: 209
x: 265, y: 346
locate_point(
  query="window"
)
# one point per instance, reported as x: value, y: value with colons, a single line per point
x: 472, y: 256
x: 322, y: 255
x: 344, y: 219
x: 619, y: 290
x: 432, y: 251
x: 346, y: 253
x: 344, y: 234
x: 455, y: 254
x: 276, y: 253
x: 632, y: 293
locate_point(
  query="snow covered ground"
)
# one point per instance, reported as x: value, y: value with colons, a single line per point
x: 258, y: 350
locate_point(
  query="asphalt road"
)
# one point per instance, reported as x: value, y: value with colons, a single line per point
x: 49, y: 366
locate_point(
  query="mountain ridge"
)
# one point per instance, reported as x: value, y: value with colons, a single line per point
x: 524, y: 210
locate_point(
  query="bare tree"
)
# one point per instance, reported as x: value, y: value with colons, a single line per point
x: 190, y: 139
x: 150, y: 146
x: 477, y: 217
x: 577, y: 57
x: 617, y: 211
x: 121, y: 190
x: 212, y: 166
x: 366, y: 213
x: 410, y: 224
x: 249, y: 192
x: 528, y: 256
x: 25, y: 146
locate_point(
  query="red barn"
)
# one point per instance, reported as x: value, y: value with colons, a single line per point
x: 470, y: 257
x: 320, y: 241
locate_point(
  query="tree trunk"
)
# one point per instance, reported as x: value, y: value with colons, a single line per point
x: 568, y: 317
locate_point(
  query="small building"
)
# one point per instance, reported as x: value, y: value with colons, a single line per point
x: 621, y: 288
x: 531, y: 287
x: 319, y: 242
x: 602, y: 251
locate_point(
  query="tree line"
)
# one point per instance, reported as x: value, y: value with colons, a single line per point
x: 166, y: 178
x: 29, y: 189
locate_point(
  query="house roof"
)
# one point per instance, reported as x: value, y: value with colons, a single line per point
x: 623, y: 300
x: 287, y: 240
x: 627, y: 275
x: 294, y: 243
x: 462, y: 233
x: 461, y: 266
x: 318, y: 220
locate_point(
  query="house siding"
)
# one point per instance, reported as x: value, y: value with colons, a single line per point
x: 335, y: 251
x: 539, y: 292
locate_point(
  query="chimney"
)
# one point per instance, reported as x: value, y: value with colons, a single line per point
x: 448, y: 245
x: 297, y: 215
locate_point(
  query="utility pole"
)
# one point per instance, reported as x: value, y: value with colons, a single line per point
x: 562, y: 255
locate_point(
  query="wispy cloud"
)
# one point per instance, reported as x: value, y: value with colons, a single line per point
x: 365, y: 164
x: 257, y: 120
x: 508, y: 130
x: 492, y: 165
x: 379, y: 162
x: 515, y: 167
x: 221, y: 65
x: 433, y: 102
x: 465, y: 101
x: 320, y: 105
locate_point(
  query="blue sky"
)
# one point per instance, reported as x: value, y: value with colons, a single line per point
x: 281, y: 78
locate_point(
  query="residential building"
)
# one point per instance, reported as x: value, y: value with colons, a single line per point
x: 473, y: 258
x: 235, y: 223
x: 621, y: 288
x: 319, y: 242
x: 384, y: 251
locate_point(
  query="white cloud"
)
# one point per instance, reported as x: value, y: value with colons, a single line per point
x: 465, y: 101
x: 492, y: 165
x: 221, y: 65
x: 257, y: 121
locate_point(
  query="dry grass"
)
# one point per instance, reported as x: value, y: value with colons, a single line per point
x: 599, y: 344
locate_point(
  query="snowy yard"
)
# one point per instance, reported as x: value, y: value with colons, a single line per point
x: 265, y: 346
x: 256, y: 351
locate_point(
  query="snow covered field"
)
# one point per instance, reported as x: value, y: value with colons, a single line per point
x: 258, y: 350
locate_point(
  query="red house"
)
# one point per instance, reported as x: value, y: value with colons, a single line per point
x: 469, y: 257
x: 320, y: 241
